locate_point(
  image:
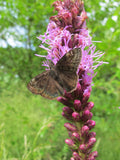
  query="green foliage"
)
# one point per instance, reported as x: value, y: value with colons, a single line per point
x: 28, y: 130
x: 22, y: 22
x: 18, y: 63
x: 31, y: 128
x: 105, y: 27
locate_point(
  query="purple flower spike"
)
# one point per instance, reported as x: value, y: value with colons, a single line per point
x: 67, y: 30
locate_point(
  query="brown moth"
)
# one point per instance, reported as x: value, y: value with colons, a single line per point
x: 62, y: 76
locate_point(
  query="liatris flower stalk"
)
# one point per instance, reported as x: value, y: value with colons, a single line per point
x: 65, y: 31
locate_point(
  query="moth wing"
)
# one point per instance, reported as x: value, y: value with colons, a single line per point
x: 45, y: 85
x: 69, y: 81
x: 67, y: 67
x: 70, y: 61
x: 53, y: 89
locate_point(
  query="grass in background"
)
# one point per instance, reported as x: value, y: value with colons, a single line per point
x: 32, y: 128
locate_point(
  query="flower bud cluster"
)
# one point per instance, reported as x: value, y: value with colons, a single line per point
x: 67, y: 11
x: 78, y: 112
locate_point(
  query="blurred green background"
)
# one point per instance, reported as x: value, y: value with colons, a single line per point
x: 31, y: 127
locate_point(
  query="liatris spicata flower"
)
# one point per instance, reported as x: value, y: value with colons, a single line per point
x: 65, y: 31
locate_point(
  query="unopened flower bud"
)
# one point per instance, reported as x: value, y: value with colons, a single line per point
x: 70, y: 127
x: 86, y: 96
x: 67, y: 110
x: 84, y: 130
x: 90, y: 105
x: 55, y: 19
x: 69, y: 142
x: 76, y: 116
x: 83, y: 148
x: 93, y: 155
x: 76, y: 136
x: 57, y: 6
x: 68, y: 96
x: 77, y: 105
x: 86, y: 115
x: 92, y: 134
x: 78, y: 91
x: 65, y: 17
x: 77, y: 22
x: 91, y: 142
x: 76, y: 156
x: 64, y: 101
x: 90, y: 124
x: 91, y: 158
x: 68, y: 117
x: 74, y: 11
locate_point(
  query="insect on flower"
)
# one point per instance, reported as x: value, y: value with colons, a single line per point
x: 62, y: 76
